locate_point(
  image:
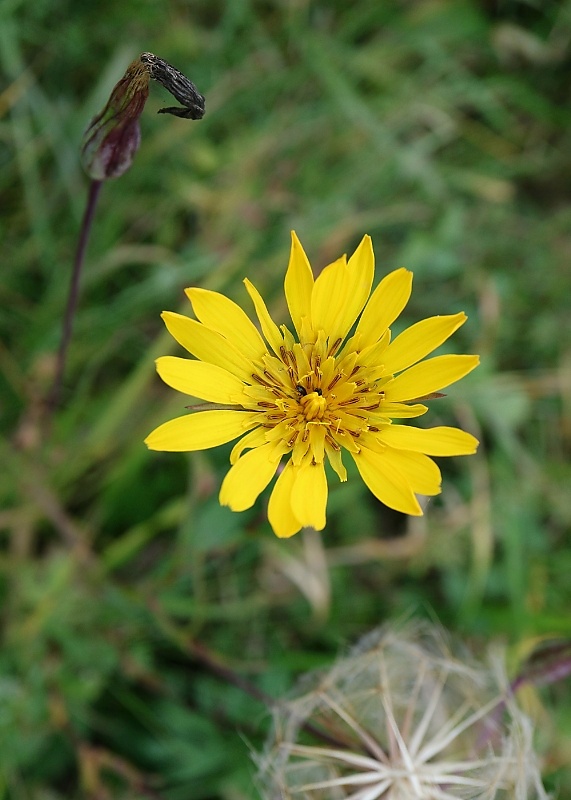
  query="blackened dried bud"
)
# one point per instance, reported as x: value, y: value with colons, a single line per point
x: 113, y: 136
x: 181, y: 88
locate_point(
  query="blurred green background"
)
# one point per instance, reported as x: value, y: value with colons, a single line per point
x: 443, y: 129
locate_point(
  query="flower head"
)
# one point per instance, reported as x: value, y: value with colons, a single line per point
x: 114, y: 135
x: 403, y: 718
x: 333, y: 386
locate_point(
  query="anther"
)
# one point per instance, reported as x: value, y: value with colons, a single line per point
x: 335, y: 381
x: 334, y: 347
x: 293, y: 439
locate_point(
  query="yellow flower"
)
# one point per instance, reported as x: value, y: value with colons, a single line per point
x: 313, y: 396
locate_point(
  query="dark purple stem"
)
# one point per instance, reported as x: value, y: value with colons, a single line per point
x: 72, y: 298
x: 548, y: 665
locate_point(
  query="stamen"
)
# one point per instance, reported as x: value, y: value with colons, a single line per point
x: 332, y: 443
x: 265, y: 404
x: 333, y: 349
x: 351, y: 401
x: 293, y: 439
x: 258, y: 379
x: 373, y: 429
x: 283, y: 354
x: 305, y: 436
x: 370, y: 408
x: 355, y: 370
x: 335, y: 381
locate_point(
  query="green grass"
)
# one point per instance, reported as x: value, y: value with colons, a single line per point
x: 440, y: 128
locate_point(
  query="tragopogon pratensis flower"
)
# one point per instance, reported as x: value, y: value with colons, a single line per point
x: 308, y: 397
x: 406, y: 720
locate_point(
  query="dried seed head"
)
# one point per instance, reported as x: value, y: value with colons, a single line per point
x: 412, y: 721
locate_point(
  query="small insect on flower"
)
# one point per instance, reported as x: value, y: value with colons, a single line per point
x: 310, y: 396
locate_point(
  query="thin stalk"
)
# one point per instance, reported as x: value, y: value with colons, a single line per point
x: 196, y: 650
x: 73, y: 294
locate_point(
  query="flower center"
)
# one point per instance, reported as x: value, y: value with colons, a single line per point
x: 313, y: 405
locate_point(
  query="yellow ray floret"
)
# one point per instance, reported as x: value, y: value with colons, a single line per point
x: 295, y: 401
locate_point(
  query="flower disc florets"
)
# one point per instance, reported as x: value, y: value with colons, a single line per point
x: 315, y: 394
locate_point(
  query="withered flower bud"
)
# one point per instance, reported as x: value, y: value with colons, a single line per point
x: 113, y: 136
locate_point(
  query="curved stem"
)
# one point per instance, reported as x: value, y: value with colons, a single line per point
x: 196, y: 650
x: 73, y: 295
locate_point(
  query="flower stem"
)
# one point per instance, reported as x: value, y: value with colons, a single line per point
x: 73, y: 295
x: 199, y: 652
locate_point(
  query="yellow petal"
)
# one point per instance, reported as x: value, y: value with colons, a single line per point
x: 385, y: 481
x: 280, y: 515
x: 200, y: 430
x: 440, y: 441
x: 422, y: 474
x: 336, y: 461
x: 361, y: 267
x: 269, y: 327
x: 227, y: 318
x: 385, y: 305
x: 255, y: 438
x: 401, y: 411
x: 199, y: 379
x: 207, y: 345
x: 328, y: 297
x: 341, y: 291
x: 298, y: 284
x: 247, y: 478
x: 419, y: 340
x: 309, y: 495
x: 429, y: 376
